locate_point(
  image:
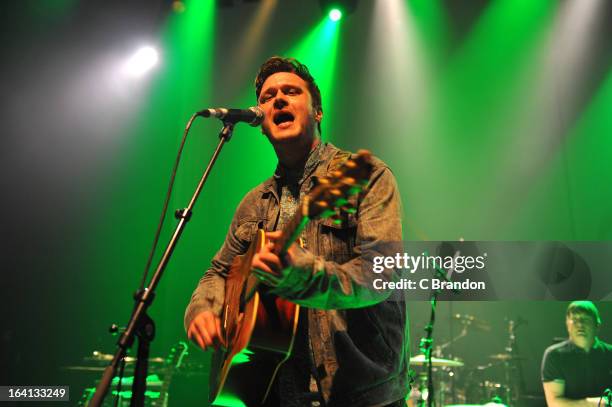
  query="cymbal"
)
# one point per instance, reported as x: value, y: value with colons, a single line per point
x: 504, y: 357
x: 470, y: 320
x: 97, y: 356
x: 84, y: 368
x: 129, y: 368
x: 421, y: 360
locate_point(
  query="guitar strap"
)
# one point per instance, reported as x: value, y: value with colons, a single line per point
x: 266, y: 209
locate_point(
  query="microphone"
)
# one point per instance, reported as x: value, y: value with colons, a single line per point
x: 253, y: 115
x: 607, y: 397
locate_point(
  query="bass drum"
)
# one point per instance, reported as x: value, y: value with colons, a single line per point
x: 477, y: 405
x: 487, y: 392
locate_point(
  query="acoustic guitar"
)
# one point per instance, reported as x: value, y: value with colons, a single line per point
x: 259, y: 328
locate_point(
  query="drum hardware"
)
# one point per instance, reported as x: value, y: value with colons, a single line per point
x: 97, y: 356
x: 421, y: 360
x: 470, y: 320
x: 505, y: 357
x: 442, y: 370
x: 512, y: 364
x: 443, y: 367
x: 466, y: 321
x: 153, y: 392
x: 157, y: 382
x: 96, y: 362
x: 508, y: 390
x: 497, y: 383
x: 494, y: 392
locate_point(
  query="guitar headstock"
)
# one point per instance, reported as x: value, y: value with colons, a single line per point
x: 176, y: 355
x: 331, y: 194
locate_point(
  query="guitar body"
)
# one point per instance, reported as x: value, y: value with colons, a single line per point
x: 259, y: 334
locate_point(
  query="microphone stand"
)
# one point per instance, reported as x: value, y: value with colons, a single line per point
x: 426, y: 344
x: 140, y: 324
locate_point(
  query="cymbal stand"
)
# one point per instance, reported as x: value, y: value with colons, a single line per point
x: 426, y: 346
x: 512, y: 367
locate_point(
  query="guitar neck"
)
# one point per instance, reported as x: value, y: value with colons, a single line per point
x: 328, y: 198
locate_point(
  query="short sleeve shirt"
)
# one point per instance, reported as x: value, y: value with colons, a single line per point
x: 585, y: 374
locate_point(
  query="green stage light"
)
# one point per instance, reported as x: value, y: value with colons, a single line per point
x: 335, y: 14
x: 337, y: 9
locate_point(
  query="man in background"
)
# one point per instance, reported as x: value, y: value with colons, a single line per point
x: 577, y: 372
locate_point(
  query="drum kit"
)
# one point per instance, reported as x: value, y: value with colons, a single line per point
x: 481, y: 389
x: 161, y: 372
x: 495, y: 384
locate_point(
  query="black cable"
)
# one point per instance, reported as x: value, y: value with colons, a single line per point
x: 118, y: 395
x: 166, y: 202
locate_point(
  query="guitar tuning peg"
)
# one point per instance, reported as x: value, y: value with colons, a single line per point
x: 323, y: 209
x: 355, y: 189
x: 340, y: 202
x: 337, y: 219
x: 348, y: 208
x: 349, y: 181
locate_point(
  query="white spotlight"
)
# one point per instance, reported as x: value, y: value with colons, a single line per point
x: 142, y: 61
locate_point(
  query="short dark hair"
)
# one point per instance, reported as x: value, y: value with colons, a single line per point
x: 279, y: 64
x: 584, y: 307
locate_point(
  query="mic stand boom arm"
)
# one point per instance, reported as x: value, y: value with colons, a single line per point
x: 140, y: 323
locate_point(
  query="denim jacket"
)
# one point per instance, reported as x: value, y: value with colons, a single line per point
x: 359, y: 337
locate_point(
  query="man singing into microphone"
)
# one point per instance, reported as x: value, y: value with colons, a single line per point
x: 577, y: 371
x: 351, y: 347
